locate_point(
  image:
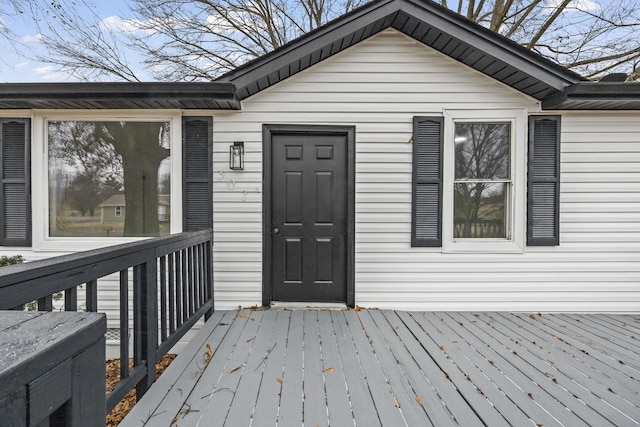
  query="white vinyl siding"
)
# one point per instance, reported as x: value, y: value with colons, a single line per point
x: 378, y: 86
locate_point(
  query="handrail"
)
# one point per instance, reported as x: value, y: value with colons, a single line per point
x: 172, y: 288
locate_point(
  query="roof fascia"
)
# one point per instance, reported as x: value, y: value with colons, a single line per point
x: 625, y: 95
x: 34, y: 93
x: 310, y: 42
x: 491, y: 43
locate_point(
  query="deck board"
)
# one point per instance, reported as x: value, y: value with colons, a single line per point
x: 532, y: 373
x: 584, y: 376
x: 337, y: 373
x: 392, y: 368
x: 427, y: 336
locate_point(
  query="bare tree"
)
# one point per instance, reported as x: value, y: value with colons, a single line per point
x: 183, y: 40
x: 592, y: 37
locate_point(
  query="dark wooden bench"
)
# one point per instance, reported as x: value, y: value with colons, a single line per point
x: 52, y: 370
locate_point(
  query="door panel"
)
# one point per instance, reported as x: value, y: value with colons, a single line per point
x: 309, y: 204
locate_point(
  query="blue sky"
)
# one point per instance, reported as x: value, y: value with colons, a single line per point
x: 18, y: 67
x: 15, y: 66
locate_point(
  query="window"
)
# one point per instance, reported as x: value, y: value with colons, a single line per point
x: 482, y: 181
x: 484, y: 191
x: 469, y: 193
x: 55, y: 165
x: 107, y: 177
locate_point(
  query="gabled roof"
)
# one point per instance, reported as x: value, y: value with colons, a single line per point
x: 120, y: 95
x: 425, y: 21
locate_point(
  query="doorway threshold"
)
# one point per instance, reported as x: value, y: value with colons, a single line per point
x: 278, y: 305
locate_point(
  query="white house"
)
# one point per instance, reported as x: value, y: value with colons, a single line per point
x: 401, y: 157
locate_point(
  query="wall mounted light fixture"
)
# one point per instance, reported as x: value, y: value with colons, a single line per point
x: 236, y: 156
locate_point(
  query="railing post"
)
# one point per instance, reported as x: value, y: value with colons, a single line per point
x: 208, y: 273
x: 146, y: 276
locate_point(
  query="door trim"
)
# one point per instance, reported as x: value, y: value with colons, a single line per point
x: 268, y: 131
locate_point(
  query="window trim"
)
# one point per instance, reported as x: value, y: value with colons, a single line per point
x: 40, y: 177
x: 516, y: 222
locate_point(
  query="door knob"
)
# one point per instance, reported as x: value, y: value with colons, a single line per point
x: 276, y: 230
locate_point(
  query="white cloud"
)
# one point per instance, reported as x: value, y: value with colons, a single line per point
x: 575, y: 5
x: 32, y: 38
x: 119, y: 25
x: 49, y: 72
x: 20, y: 65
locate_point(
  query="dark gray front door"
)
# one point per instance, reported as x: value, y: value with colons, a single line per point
x: 309, y: 216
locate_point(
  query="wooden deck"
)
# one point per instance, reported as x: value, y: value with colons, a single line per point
x: 393, y: 368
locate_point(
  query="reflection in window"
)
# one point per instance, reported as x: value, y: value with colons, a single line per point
x: 109, y: 178
x: 482, y: 180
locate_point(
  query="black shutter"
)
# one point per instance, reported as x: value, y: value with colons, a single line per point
x: 15, y: 182
x: 197, y: 184
x: 426, y: 216
x: 543, y: 199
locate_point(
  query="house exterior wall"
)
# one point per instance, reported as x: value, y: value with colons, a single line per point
x: 109, y: 214
x: 378, y: 86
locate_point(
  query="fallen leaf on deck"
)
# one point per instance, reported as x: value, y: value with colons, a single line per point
x: 235, y: 369
x: 419, y: 400
x: 208, y: 354
x: 279, y: 380
x: 329, y: 370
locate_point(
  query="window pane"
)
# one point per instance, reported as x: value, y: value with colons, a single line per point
x: 482, y: 150
x: 479, y: 210
x: 109, y: 178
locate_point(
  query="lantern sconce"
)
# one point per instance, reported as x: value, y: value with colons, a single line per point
x: 236, y: 156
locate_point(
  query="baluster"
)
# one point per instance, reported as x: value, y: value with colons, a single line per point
x: 185, y: 285
x: 190, y: 286
x: 45, y: 304
x: 172, y: 295
x: 71, y: 299
x: 163, y: 298
x: 200, y: 265
x: 124, y: 324
x: 91, y: 296
x: 178, y: 255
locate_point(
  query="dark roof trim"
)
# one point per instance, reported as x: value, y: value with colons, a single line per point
x: 428, y: 23
x: 120, y: 95
x: 596, y: 96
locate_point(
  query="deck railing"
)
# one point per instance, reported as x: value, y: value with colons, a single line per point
x: 479, y: 228
x: 172, y: 282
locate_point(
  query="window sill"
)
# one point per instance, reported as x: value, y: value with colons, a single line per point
x: 488, y: 247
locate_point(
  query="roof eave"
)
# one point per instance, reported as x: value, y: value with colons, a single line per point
x: 596, y: 96
x: 120, y: 95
